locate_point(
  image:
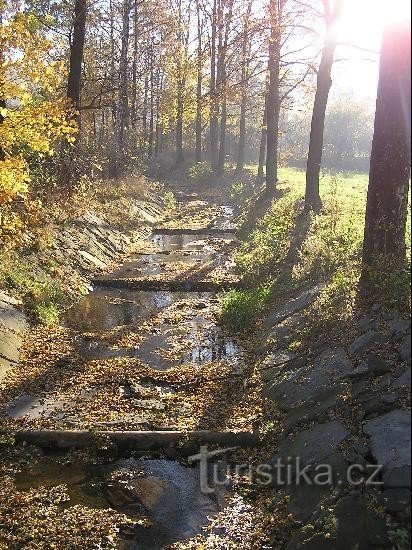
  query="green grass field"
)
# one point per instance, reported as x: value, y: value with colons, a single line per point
x: 288, y: 250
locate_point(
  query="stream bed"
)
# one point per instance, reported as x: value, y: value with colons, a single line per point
x: 172, y: 328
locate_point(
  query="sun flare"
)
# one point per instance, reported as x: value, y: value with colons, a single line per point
x: 363, y: 21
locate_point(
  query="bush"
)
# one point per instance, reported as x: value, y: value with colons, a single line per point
x: 241, y: 308
x: 201, y: 172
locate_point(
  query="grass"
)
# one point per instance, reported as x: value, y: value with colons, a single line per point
x: 42, y: 300
x: 288, y: 250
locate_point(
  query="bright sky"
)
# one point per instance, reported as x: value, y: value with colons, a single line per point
x: 362, y: 25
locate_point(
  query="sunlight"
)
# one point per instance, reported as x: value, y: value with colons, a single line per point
x: 363, y: 21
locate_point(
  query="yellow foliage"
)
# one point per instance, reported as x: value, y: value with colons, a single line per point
x: 13, y: 179
x: 35, y: 118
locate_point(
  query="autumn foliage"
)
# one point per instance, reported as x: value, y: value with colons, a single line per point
x: 34, y: 118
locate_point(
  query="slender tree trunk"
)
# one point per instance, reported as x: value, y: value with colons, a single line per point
x: 145, y: 112
x: 273, y: 97
x: 133, y: 106
x: 262, y: 148
x: 179, y: 124
x: 244, y: 91
x: 76, y: 54
x: 214, y: 108
x: 151, y: 118
x: 198, y: 123
x: 386, y: 210
x: 324, y: 83
x: 2, y: 96
x: 222, y: 88
x: 124, y: 114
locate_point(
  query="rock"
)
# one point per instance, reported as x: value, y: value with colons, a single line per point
x: 389, y: 398
x: 395, y: 500
x: 405, y: 349
x: 366, y: 323
x: 306, y: 500
x: 304, y: 383
x: 316, y: 542
x: 363, y: 342
x: 390, y: 436
x: 398, y: 477
x: 293, y: 306
x: 357, y: 525
x: 376, y: 365
x: 403, y: 380
x: 312, y: 408
x: 360, y: 371
x: 399, y: 327
x: 314, y: 445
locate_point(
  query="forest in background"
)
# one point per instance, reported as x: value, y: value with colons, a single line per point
x: 102, y: 89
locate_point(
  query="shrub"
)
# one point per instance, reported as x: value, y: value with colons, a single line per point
x: 241, y: 308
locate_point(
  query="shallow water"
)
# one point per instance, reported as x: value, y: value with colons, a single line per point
x: 164, y: 492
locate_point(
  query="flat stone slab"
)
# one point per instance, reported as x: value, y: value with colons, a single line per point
x: 293, y: 306
x: 404, y: 380
x: 390, y: 436
x: 314, y: 445
x: 304, y: 383
x: 363, y: 342
x: 321, y: 402
x: 405, y: 349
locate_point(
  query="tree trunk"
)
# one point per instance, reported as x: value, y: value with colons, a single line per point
x: 222, y: 86
x: 273, y: 98
x: 214, y: 108
x: 67, y: 167
x: 76, y: 54
x: 262, y: 148
x: 143, y: 441
x: 123, y: 114
x: 152, y: 104
x: 244, y: 91
x: 2, y: 98
x: 133, y: 106
x: 386, y: 210
x: 145, y: 111
x: 198, y: 123
x: 324, y: 83
x: 179, y: 124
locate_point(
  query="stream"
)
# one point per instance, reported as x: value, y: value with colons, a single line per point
x: 163, y: 490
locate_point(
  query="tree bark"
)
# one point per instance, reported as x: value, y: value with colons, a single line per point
x: 133, y: 106
x: 76, y: 54
x: 214, y: 108
x: 198, y: 123
x: 2, y: 95
x: 324, y: 83
x: 124, y: 114
x: 143, y: 441
x: 386, y: 210
x: 262, y: 148
x: 244, y: 91
x: 222, y: 85
x: 273, y: 97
